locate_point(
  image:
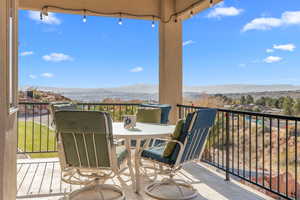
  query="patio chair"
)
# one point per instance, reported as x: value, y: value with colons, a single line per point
x: 148, y: 115
x: 153, y: 113
x: 164, y: 108
x: 87, y: 151
x: 189, y: 146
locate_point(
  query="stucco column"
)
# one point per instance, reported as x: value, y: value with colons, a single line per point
x: 170, y: 60
x: 8, y: 123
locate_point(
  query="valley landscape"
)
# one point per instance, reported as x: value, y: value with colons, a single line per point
x: 146, y: 92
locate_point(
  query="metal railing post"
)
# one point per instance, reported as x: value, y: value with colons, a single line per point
x: 227, y: 147
x: 180, y: 112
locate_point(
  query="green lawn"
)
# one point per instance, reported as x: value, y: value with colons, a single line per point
x: 38, y: 138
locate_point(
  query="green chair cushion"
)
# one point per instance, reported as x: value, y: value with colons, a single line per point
x: 122, y: 154
x: 169, y: 148
x: 156, y: 153
x: 71, y: 152
x: 79, y: 131
x: 148, y: 115
x: 66, y: 106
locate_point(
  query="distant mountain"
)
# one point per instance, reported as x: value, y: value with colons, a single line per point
x: 150, y: 92
x: 240, y: 88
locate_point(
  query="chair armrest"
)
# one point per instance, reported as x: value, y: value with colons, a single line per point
x: 118, y: 141
x: 181, y: 148
x: 171, y: 140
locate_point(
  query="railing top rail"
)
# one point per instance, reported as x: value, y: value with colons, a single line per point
x: 108, y: 104
x: 33, y: 103
x: 283, y: 117
x: 82, y: 103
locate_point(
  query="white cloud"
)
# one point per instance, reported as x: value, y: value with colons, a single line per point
x: 221, y: 11
x: 285, y: 47
x: 57, y: 57
x: 220, y: 4
x: 242, y: 65
x: 32, y: 76
x: 272, y: 59
x: 267, y: 23
x: 291, y: 17
x: 262, y: 24
x: 26, y: 53
x: 50, y: 19
x: 270, y: 50
x: 188, y: 42
x: 47, y: 75
x: 136, y: 69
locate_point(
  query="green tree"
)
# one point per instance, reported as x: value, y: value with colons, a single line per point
x: 249, y: 99
x: 275, y: 103
x: 243, y: 100
x: 288, y: 104
x: 261, y: 101
x: 280, y: 102
x: 268, y: 101
x: 296, y: 107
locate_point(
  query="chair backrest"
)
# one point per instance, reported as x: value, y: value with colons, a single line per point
x: 148, y: 115
x: 196, y: 131
x: 57, y: 106
x: 86, y: 138
x: 165, y: 110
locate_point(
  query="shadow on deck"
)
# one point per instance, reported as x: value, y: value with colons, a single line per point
x: 41, y: 179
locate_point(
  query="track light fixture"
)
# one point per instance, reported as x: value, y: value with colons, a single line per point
x: 211, y: 3
x: 120, y: 20
x: 153, y: 23
x: 84, y: 16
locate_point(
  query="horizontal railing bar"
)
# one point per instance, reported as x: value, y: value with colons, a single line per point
x: 35, y: 152
x: 110, y: 104
x: 82, y: 103
x: 33, y: 103
x: 286, y: 117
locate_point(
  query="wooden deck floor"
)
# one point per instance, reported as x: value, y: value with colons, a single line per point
x: 41, y: 179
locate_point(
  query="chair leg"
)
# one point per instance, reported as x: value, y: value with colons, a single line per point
x: 183, y: 190
x: 152, y: 176
x: 129, y: 163
x: 131, y: 173
x: 96, y: 191
x: 130, y: 167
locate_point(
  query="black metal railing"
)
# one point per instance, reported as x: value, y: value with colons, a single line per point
x: 36, y: 135
x: 258, y: 148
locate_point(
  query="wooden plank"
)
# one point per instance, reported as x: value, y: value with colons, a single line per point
x: 57, y: 185
x: 33, y: 178
x: 22, y: 175
x: 46, y: 179
x: 37, y: 179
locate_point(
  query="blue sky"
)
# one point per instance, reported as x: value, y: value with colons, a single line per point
x: 235, y: 42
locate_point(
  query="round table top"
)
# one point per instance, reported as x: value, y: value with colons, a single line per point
x: 142, y: 130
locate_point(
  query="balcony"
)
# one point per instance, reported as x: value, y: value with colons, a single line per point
x: 257, y: 152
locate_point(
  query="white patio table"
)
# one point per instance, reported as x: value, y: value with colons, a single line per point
x: 142, y: 131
